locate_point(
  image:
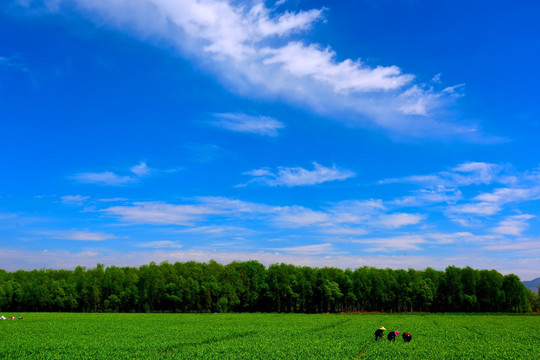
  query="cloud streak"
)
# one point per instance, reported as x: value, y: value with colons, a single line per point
x: 259, y: 52
x: 110, y: 178
x: 78, y: 235
x: 298, y: 176
x: 259, y: 125
x: 513, y: 225
x: 464, y: 174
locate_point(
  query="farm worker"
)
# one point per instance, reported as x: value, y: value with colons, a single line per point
x: 379, y: 333
x: 392, y: 335
x: 20, y: 318
x: 407, y: 337
x: 3, y: 317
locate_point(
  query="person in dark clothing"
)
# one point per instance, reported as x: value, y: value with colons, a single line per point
x: 407, y: 337
x: 379, y: 333
x: 392, y: 335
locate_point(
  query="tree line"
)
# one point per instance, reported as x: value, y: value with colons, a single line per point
x: 251, y: 287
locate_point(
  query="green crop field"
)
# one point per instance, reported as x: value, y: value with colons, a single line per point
x: 267, y: 336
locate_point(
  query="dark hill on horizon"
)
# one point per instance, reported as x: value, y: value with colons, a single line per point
x: 532, y: 284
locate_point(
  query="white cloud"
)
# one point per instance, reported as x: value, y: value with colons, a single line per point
x: 456, y: 90
x: 398, y: 220
x: 372, y: 213
x: 285, y: 23
x: 481, y: 208
x: 487, y: 204
x: 347, y: 76
x: 79, y: 235
x: 112, y: 200
x: 477, y: 172
x: 13, y: 62
x: 110, y: 178
x: 140, y: 169
x: 103, y: 178
x: 297, y: 176
x: 460, y: 237
x: 74, y: 199
x: 252, y: 50
x: 318, y: 249
x: 234, y: 206
x: 260, y: 125
x: 416, y: 101
x: 506, y: 195
x: 465, y: 174
x: 160, y: 213
x: 399, y: 243
x: 164, y: 244
x: 216, y: 230
x: 529, y: 247
x: 298, y: 216
x: 344, y: 218
x: 343, y: 231
x: 428, y: 196
x: 513, y: 225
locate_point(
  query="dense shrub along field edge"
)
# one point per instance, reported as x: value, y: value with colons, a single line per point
x: 251, y: 287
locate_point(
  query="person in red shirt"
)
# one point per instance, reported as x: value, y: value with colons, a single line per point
x: 407, y: 337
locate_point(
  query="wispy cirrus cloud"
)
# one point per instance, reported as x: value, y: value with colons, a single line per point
x: 513, y: 225
x: 13, y: 62
x: 372, y: 213
x: 527, y: 246
x: 464, y: 174
x: 259, y: 125
x: 396, y: 220
x: 316, y: 249
x: 161, y: 244
x: 400, y: 243
x: 299, y: 216
x: 74, y: 199
x: 486, y: 204
x: 497, y: 186
x: 103, y: 178
x: 159, y: 213
x: 260, y: 52
x: 419, y: 242
x: 345, y: 218
x: 298, y: 176
x: 79, y: 235
x: 430, y: 195
x: 113, y: 179
x: 217, y: 230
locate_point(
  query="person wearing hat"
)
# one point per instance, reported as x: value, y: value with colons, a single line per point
x: 379, y: 333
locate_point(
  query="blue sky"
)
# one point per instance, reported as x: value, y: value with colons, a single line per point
x: 386, y: 133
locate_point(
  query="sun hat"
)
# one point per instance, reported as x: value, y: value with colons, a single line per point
x: 382, y: 328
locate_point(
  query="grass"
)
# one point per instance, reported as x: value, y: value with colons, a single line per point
x: 267, y: 336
